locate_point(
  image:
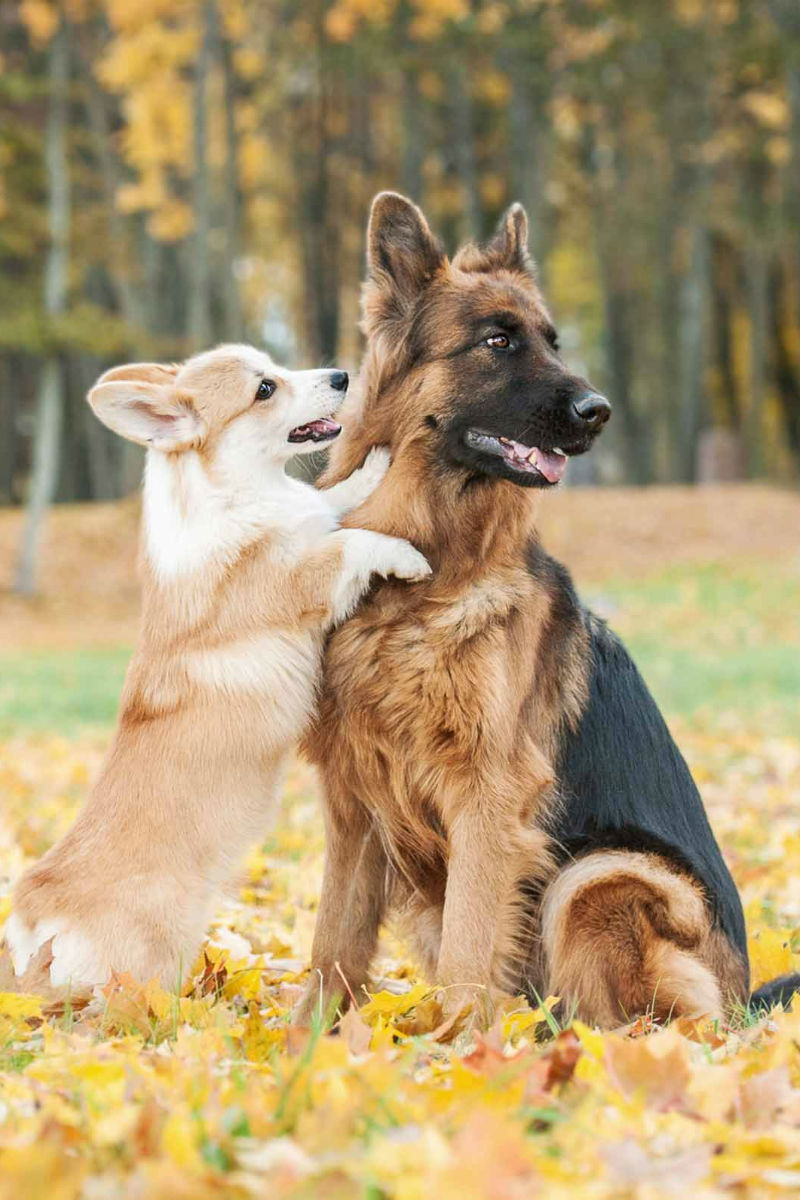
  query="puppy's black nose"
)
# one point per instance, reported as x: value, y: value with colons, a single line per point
x: 339, y: 380
x: 593, y: 409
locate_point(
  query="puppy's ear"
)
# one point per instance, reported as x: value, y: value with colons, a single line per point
x: 141, y: 403
x: 509, y: 246
x: 402, y: 253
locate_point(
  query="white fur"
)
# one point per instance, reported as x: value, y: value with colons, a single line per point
x: 188, y: 520
x: 280, y: 667
x: 349, y: 493
x: 200, y: 513
x: 74, y: 957
x: 366, y: 554
x: 22, y: 943
x: 193, y: 515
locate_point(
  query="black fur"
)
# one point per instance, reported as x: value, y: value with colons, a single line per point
x: 777, y: 991
x: 623, y: 781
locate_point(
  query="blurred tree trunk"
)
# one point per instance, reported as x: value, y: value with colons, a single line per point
x: 9, y: 390
x: 316, y: 220
x: 413, y: 149
x: 115, y: 464
x: 618, y: 302
x: 530, y: 138
x: 464, y: 148
x: 724, y: 291
x: 232, y: 201
x: 49, y: 415
x: 783, y: 288
x: 694, y: 184
x: 199, y: 315
x: 130, y: 302
x: 786, y: 15
x: 786, y: 370
x: 757, y: 311
x: 693, y: 352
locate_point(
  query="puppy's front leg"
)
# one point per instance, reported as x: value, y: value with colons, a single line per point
x: 361, y: 483
x: 364, y: 554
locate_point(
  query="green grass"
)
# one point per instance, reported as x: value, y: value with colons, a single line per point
x: 60, y: 691
x: 710, y: 641
x: 764, y: 684
x: 717, y: 639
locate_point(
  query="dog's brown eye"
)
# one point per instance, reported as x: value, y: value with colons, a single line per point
x: 499, y: 341
x: 265, y: 389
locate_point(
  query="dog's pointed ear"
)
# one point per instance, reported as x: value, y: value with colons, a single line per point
x: 509, y: 246
x: 141, y: 403
x: 402, y: 253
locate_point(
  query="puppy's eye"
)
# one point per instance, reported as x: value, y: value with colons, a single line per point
x: 265, y: 389
x: 499, y: 341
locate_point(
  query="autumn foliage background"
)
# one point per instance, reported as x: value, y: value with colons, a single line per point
x: 175, y: 173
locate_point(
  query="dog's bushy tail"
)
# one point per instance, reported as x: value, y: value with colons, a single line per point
x: 777, y: 991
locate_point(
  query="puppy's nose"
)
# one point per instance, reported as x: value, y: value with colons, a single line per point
x: 593, y: 409
x: 339, y: 380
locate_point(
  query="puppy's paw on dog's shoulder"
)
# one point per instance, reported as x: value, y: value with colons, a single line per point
x: 406, y: 562
x: 375, y: 466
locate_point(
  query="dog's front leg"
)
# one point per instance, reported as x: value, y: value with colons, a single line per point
x: 489, y: 854
x: 359, y: 484
x: 350, y: 911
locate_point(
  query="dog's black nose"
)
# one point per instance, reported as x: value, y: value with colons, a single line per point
x: 593, y: 409
x: 339, y: 380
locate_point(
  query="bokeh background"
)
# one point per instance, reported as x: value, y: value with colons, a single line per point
x: 176, y: 172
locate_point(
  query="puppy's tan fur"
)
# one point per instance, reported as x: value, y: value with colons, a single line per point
x: 244, y: 571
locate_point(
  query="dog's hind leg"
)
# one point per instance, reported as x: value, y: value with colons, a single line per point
x: 624, y: 934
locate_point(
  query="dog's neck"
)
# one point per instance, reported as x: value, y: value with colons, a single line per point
x: 459, y: 522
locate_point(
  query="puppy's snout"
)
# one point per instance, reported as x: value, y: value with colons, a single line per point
x: 339, y: 380
x: 594, y: 410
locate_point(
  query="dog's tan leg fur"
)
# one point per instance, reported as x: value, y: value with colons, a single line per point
x: 489, y: 853
x: 351, y: 908
x: 624, y: 934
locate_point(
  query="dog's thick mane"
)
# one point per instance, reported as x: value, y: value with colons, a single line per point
x: 483, y: 696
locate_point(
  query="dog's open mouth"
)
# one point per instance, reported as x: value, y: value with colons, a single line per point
x: 529, y: 460
x: 322, y: 430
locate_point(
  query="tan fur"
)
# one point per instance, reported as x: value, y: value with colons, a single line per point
x: 623, y: 934
x: 224, y: 676
x: 432, y: 778
x: 443, y: 703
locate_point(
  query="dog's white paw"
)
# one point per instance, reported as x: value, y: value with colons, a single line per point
x: 405, y: 562
x: 376, y: 464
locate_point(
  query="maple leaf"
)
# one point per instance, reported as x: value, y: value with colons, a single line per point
x: 656, y: 1068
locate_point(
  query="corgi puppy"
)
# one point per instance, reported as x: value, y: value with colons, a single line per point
x: 245, y: 570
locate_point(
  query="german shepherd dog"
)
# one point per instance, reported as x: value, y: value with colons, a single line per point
x: 495, y: 770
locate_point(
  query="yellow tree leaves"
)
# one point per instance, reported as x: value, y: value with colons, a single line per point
x: 214, y: 1093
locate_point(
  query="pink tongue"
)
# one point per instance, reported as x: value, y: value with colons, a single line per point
x: 551, y: 465
x: 324, y: 425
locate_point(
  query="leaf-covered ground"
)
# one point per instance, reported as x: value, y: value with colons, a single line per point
x: 213, y: 1094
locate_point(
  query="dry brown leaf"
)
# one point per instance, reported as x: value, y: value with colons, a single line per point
x: 647, y: 1066
x: 355, y: 1031
x: 762, y: 1097
x: 631, y: 1165
x: 556, y: 1066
